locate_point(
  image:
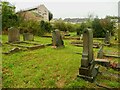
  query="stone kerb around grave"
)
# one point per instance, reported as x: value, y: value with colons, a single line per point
x: 28, y: 37
x: 57, y: 38
x: 13, y: 34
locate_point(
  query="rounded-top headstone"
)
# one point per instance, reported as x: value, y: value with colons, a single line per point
x: 13, y: 34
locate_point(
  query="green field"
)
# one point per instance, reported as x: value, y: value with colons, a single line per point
x: 50, y: 68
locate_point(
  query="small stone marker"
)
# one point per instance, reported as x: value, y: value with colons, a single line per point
x: 107, y: 38
x: 81, y: 37
x: 28, y: 37
x: 67, y: 33
x: 100, y: 53
x: 88, y: 71
x: 13, y: 35
x: 57, y: 39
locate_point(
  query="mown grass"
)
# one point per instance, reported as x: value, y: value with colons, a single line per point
x: 47, y: 68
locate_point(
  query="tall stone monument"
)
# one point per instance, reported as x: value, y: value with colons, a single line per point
x: 57, y: 38
x: 88, y: 70
x: 13, y: 34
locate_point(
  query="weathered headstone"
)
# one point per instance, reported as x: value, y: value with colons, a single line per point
x: 100, y: 53
x: 57, y: 39
x: 81, y: 37
x: 13, y: 34
x: 0, y: 44
x: 67, y: 33
x: 28, y: 37
x: 88, y: 71
x: 107, y: 38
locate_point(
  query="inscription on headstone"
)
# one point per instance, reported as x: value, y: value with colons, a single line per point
x: 88, y: 71
x: 57, y: 38
x: 13, y: 35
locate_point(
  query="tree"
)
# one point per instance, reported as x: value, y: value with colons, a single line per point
x: 59, y: 24
x: 9, y: 18
x: 98, y: 30
x: 45, y: 26
x: 0, y: 17
x: 50, y: 16
x: 107, y: 24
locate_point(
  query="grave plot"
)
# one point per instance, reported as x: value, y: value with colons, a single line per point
x: 110, y: 56
x: 7, y: 49
x: 71, y: 38
x: 65, y: 36
x: 115, y: 54
x: 28, y: 45
x: 80, y: 44
x: 112, y: 51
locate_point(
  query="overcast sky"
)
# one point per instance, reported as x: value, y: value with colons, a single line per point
x: 72, y: 8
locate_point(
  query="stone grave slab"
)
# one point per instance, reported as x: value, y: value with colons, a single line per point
x: 13, y: 50
x: 103, y: 62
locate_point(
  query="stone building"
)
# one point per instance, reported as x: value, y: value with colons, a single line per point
x: 37, y: 13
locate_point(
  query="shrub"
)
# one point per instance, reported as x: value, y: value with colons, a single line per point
x: 45, y: 26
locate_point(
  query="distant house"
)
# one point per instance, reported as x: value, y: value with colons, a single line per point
x: 37, y: 13
x: 75, y: 20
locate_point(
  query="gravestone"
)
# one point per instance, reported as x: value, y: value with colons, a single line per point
x: 107, y: 38
x: 28, y: 37
x: 57, y: 38
x: 0, y: 44
x: 88, y: 70
x: 100, y: 53
x: 66, y: 33
x: 13, y: 34
x: 81, y: 37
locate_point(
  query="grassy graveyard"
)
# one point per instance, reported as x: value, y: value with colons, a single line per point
x: 52, y: 67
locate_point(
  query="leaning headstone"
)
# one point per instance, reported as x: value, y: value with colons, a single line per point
x: 13, y: 34
x: 88, y: 70
x: 57, y: 39
x: 100, y: 53
x: 28, y: 37
x: 107, y: 38
x: 0, y: 44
